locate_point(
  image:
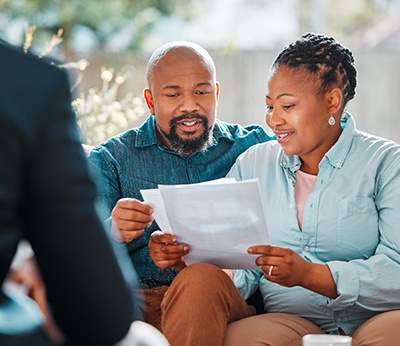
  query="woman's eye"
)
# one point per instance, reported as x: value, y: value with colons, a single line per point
x: 269, y: 109
x: 288, y: 107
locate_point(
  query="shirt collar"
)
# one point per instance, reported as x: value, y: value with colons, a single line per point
x: 147, y: 136
x: 339, y: 151
x: 336, y: 156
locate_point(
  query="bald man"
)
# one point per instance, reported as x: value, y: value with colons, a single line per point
x: 181, y: 142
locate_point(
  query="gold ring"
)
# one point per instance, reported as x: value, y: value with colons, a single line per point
x: 270, y: 270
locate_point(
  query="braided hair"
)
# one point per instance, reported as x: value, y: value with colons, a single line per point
x: 324, y: 57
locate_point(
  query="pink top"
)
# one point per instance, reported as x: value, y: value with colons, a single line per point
x: 304, y: 185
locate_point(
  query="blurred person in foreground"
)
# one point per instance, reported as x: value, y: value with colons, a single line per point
x: 331, y: 196
x: 47, y: 199
x: 181, y: 142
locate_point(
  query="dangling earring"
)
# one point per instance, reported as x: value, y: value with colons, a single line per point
x: 331, y: 120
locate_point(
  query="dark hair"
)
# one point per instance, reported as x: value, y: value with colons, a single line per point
x: 324, y: 57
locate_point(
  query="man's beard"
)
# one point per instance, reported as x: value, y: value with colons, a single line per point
x: 182, y: 145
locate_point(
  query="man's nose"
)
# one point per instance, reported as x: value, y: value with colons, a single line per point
x: 189, y: 104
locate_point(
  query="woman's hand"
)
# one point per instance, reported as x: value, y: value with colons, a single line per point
x: 166, y: 252
x: 287, y: 268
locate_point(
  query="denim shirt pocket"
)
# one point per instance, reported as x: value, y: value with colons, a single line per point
x: 357, y: 227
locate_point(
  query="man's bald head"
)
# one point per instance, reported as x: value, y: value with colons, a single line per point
x: 182, y: 50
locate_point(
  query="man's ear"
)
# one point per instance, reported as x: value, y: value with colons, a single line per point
x: 217, y: 88
x: 148, y: 97
x: 335, y: 99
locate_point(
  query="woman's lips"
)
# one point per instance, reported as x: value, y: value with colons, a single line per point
x: 282, y: 137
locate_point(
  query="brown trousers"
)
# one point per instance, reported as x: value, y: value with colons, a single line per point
x: 278, y: 329
x: 188, y: 315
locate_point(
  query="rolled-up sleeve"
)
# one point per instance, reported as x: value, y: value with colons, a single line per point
x: 374, y: 283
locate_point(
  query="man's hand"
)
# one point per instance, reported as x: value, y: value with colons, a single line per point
x: 130, y: 217
x: 166, y: 252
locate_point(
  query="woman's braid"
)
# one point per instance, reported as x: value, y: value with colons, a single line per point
x: 325, y: 57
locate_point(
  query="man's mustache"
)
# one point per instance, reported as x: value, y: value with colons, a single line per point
x: 173, y: 121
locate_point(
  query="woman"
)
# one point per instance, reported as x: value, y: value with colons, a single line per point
x: 331, y: 196
x: 332, y: 203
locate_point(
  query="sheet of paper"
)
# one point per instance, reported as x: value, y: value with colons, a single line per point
x: 154, y: 198
x: 219, y: 220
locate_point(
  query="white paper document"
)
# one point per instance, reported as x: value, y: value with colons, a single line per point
x: 218, y: 219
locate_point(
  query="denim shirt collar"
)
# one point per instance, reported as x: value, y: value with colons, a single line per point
x: 336, y: 156
x: 147, y: 133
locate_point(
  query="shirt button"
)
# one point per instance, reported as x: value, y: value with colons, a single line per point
x: 338, y: 164
x: 284, y: 163
x: 306, y: 248
x: 291, y: 205
x: 338, y: 319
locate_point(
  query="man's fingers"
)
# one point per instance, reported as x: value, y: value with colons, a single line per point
x: 131, y: 215
x: 164, y: 238
x: 130, y: 218
x: 181, y: 249
x: 130, y: 225
x: 168, y: 256
x: 134, y: 204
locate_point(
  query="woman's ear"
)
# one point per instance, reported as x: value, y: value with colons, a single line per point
x: 149, y: 100
x: 335, y: 98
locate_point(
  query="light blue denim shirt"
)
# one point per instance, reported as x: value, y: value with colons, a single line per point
x: 136, y: 160
x: 351, y: 223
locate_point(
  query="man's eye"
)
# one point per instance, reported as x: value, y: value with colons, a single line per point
x: 288, y: 107
x: 173, y: 95
x: 202, y: 92
x: 269, y: 109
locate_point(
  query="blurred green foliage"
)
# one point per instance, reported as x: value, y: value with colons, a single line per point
x: 102, y: 113
x: 102, y: 18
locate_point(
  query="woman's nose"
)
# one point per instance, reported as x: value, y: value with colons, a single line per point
x: 273, y: 118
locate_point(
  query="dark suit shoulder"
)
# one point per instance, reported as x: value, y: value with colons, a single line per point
x: 33, y: 94
x: 27, y: 71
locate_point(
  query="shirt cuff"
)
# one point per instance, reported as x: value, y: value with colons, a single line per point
x: 347, y: 284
